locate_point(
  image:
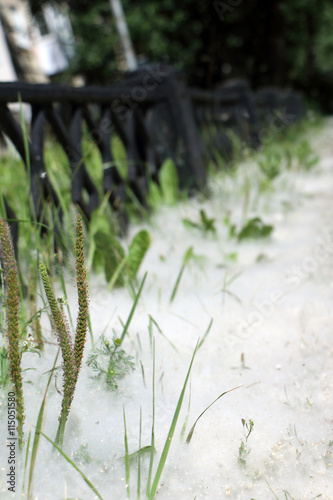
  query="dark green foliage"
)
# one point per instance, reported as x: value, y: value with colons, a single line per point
x: 271, y: 43
x: 97, y: 42
x: 160, y: 31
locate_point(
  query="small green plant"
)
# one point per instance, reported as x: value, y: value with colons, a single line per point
x: 270, y: 165
x: 72, y: 355
x: 255, y: 228
x: 206, y: 224
x: 110, y: 362
x: 167, y: 191
x: 306, y: 158
x: 243, y: 364
x: 107, y: 253
x: 244, y: 450
x: 12, y: 319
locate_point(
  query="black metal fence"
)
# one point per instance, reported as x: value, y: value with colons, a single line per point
x: 155, y: 115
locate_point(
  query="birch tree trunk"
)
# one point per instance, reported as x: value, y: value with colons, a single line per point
x: 130, y: 58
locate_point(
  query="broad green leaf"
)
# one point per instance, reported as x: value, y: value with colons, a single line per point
x: 255, y: 228
x: 113, y: 254
x: 168, y: 178
x: 99, y: 223
x: 137, y: 251
x: 155, y: 195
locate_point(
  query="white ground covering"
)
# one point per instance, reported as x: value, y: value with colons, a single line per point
x: 277, y: 313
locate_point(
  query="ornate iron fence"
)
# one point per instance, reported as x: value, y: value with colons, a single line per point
x: 155, y: 115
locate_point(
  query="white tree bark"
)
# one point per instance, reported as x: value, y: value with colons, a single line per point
x: 130, y: 58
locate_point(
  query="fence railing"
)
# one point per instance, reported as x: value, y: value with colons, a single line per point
x: 155, y: 115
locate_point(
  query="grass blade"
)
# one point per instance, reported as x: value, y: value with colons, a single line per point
x: 26, y: 460
x: 182, y: 434
x: 119, y: 269
x: 206, y: 333
x: 38, y: 431
x: 190, y: 434
x: 154, y: 322
x: 186, y: 258
x: 89, y: 483
x: 138, y: 489
x: 127, y: 462
x: 136, y: 252
x: 129, y: 319
x: 152, y: 441
x: 64, y: 291
x: 167, y: 444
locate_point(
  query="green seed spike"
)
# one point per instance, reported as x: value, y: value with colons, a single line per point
x: 82, y: 290
x: 65, y: 343
x: 12, y: 317
x: 72, y: 355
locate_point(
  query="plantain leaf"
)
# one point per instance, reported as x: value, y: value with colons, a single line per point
x: 137, y: 251
x: 255, y: 228
x: 99, y: 223
x: 113, y: 253
x: 168, y: 178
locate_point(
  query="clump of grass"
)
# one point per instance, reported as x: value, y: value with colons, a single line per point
x: 72, y: 355
x: 12, y: 319
x: 306, y: 157
x: 270, y: 164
